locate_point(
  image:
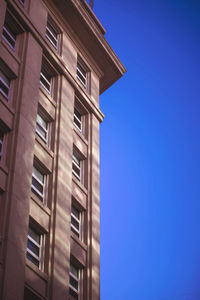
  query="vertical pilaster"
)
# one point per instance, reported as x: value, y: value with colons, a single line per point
x: 62, y: 208
x: 20, y: 173
x: 95, y: 220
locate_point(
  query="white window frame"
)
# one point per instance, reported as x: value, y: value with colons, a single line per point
x: 78, y: 231
x: 10, y: 35
x: 74, y: 158
x: 49, y: 32
x: 79, y: 71
x: 42, y: 127
x: 5, y: 84
x: 39, y: 246
x: 40, y: 195
x: 47, y: 81
x: 1, y: 143
x: 77, y: 279
x: 79, y: 120
x: 22, y: 2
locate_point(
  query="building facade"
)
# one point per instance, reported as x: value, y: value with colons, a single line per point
x: 54, y: 64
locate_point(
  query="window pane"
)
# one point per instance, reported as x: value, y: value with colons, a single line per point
x: 38, y: 174
x: 81, y: 70
x: 4, y: 78
x: 32, y: 259
x: 74, y: 270
x: 41, y: 132
x: 77, y: 119
x: 73, y: 294
x: 41, y: 121
x: 9, y: 36
x: 75, y: 223
x: 52, y: 34
x: 52, y: 29
x: 75, y: 212
x: 32, y: 247
x: 34, y: 235
x: 76, y: 160
x: 76, y: 171
x: 73, y: 282
x: 81, y: 74
x: 37, y: 185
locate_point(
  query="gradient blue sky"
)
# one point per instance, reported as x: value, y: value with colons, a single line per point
x: 150, y: 152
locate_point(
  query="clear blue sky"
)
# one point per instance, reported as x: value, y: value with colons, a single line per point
x: 150, y: 152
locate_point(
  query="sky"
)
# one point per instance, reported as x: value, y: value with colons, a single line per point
x: 150, y: 152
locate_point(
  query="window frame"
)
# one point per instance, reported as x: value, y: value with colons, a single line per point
x: 78, y: 220
x: 22, y: 2
x: 7, y: 85
x: 49, y: 82
x: 79, y: 120
x: 39, y: 246
x: 79, y: 167
x: 13, y: 38
x: 51, y: 23
x: 40, y: 125
x: 79, y: 73
x: 11, y: 29
x: 77, y: 279
x: 34, y: 190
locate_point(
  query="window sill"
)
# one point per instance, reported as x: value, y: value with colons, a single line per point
x: 48, y: 96
x: 82, y: 87
x: 44, y: 146
x: 81, y: 186
x: 7, y: 103
x: 78, y: 241
x: 10, y: 50
x: 35, y: 269
x: 40, y: 204
x: 80, y: 135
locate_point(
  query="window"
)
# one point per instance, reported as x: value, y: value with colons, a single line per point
x: 74, y: 275
x: 42, y: 128
x: 76, y: 221
x: 22, y: 2
x: 81, y: 73
x: 76, y: 166
x: 10, y: 30
x: 77, y: 119
x: 38, y: 183
x: 34, y: 246
x: 45, y: 79
x: 4, y: 84
x: 52, y: 33
x: 1, y: 143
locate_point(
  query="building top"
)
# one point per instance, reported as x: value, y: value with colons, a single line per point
x: 89, y: 30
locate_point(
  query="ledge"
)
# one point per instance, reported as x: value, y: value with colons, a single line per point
x: 88, y: 31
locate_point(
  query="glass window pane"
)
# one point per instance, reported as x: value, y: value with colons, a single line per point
x: 5, y: 79
x: 74, y: 270
x: 34, y: 235
x: 76, y: 160
x: 75, y: 223
x: 32, y: 247
x: 41, y: 131
x: 73, y: 282
x: 37, y: 185
x: 32, y: 259
x: 38, y: 174
x: 41, y: 121
x: 75, y: 212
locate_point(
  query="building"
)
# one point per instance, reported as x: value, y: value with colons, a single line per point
x: 54, y: 64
